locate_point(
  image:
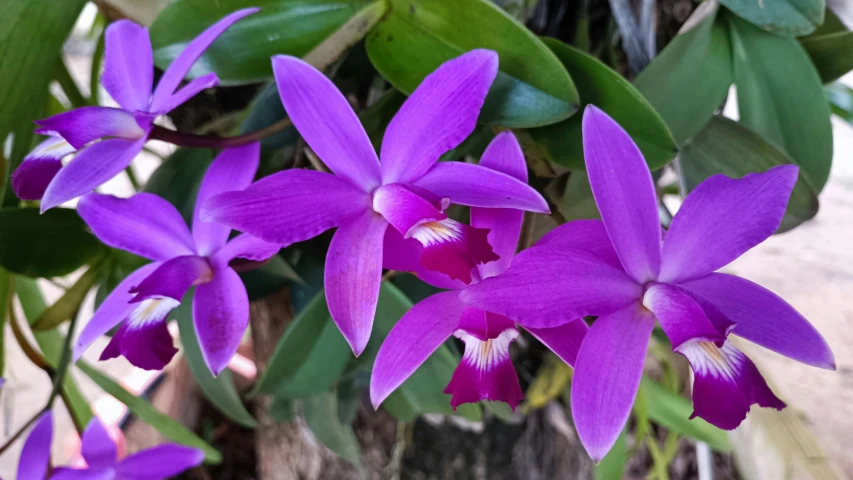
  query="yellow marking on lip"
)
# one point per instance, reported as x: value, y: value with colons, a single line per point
x: 56, y: 146
x: 436, y: 227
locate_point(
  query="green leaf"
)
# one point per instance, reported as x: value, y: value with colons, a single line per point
x: 321, y: 415
x: 416, y: 36
x: 613, y: 464
x: 179, y: 177
x: 167, y: 426
x: 45, y: 245
x: 673, y: 412
x: 831, y: 54
x: 31, y: 37
x: 269, y: 278
x: 310, y: 356
x: 840, y: 99
x: 219, y: 390
x: 242, y: 54
x: 690, y: 78
x: 726, y: 147
x: 578, y: 202
x: 422, y: 392
x: 377, y: 116
x: 601, y: 86
x: 782, y: 17
x: 781, y: 98
x: 69, y: 303
x: 266, y: 109
x: 51, y: 343
x: 5, y: 284
x: 281, y: 409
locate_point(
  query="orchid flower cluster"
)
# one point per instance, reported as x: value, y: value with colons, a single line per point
x: 390, y: 212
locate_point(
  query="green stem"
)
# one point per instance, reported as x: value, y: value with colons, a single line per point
x: 132, y: 177
x: 63, y: 76
x: 95, y: 76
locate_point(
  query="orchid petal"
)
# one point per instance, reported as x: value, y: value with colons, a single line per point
x: 549, y: 286
x: 220, y: 316
x: 607, y: 375
x: 404, y: 254
x: 762, y: 317
x: 99, y: 450
x: 128, y: 65
x: 143, y: 224
x: 413, y: 339
x: 115, y: 308
x: 144, y: 339
x: 478, y: 186
x: 90, y: 168
x: 483, y: 325
x: 179, y: 68
x: 162, y: 461
x: 681, y: 318
x: 353, y: 276
x: 34, y: 174
x: 438, y: 116
x: 35, y: 454
x: 67, y: 473
x: 586, y: 235
x: 403, y: 208
x: 722, y: 218
x: 564, y: 340
x: 173, y: 278
x: 85, y: 124
x: 502, y: 155
x: 486, y: 371
x: 326, y: 121
x: 289, y: 206
x: 244, y: 246
x: 726, y: 383
x: 233, y: 169
x: 624, y: 192
x: 191, y: 89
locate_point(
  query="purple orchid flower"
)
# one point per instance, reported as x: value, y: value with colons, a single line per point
x: 100, y: 453
x: 622, y: 271
x: 486, y: 370
x: 151, y: 227
x: 408, y: 190
x: 120, y: 132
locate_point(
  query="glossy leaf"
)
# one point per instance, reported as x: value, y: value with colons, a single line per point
x: 321, y: 415
x: 219, y: 390
x: 577, y: 202
x: 690, y: 78
x: 673, y: 412
x: 51, y: 244
x: 51, y: 344
x: 831, y: 54
x: 613, y: 464
x: 274, y: 275
x: 422, y: 392
x: 242, y: 54
x: 69, y: 303
x: 179, y: 177
x: 323, y: 366
x: 780, y: 97
x: 782, y: 17
x: 599, y: 85
x: 167, y: 426
x: 726, y: 147
x: 265, y: 110
x: 415, y: 37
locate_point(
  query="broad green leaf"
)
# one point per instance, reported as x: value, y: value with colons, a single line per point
x: 31, y: 37
x: 831, y: 54
x: 578, y: 202
x: 599, y: 85
x: 690, y: 78
x: 783, y: 17
x: 281, y: 409
x: 349, y: 398
x: 167, y: 426
x: 266, y: 109
x: 219, y: 390
x: 269, y: 278
x: 179, y: 177
x: 726, y: 147
x: 5, y: 284
x: 781, y: 98
x: 69, y: 303
x: 422, y: 392
x: 242, y: 54
x: 321, y: 415
x: 416, y: 36
x: 840, y: 99
x: 673, y: 412
x: 51, y: 343
x: 613, y: 464
x: 51, y: 244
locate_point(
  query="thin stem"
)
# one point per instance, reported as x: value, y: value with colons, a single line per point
x: 23, y: 429
x: 131, y: 176
x: 31, y: 353
x: 63, y: 76
x: 95, y: 77
x: 191, y: 140
x: 64, y: 359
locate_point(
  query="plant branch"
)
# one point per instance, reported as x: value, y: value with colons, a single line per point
x: 192, y: 140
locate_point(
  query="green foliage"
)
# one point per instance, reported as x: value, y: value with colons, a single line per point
x: 599, y: 85
x: 415, y: 37
x: 321, y: 415
x: 782, y: 17
x: 242, y: 54
x: 613, y: 464
x: 830, y: 54
x: 179, y: 178
x: 51, y: 244
x: 767, y: 69
x: 673, y: 412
